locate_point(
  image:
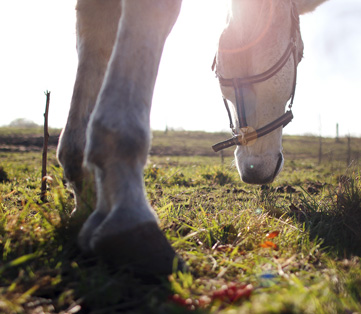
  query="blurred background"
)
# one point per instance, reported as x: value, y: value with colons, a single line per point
x: 38, y: 54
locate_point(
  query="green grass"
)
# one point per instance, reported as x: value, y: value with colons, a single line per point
x: 291, y: 247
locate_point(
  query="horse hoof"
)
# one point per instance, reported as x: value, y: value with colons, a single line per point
x: 144, y: 249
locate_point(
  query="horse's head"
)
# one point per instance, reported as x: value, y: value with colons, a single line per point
x: 257, y: 59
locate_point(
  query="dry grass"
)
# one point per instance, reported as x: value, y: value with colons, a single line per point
x: 292, y: 247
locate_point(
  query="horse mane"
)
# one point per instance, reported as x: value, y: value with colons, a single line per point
x: 306, y: 6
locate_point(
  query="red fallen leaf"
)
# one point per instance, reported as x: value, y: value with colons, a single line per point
x: 243, y: 293
x: 176, y: 298
x: 219, y: 295
x: 269, y: 245
x: 232, y: 293
x: 272, y: 235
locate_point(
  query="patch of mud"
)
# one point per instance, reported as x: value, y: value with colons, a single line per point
x: 26, y: 143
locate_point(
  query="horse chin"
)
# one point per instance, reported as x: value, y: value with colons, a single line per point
x: 260, y: 169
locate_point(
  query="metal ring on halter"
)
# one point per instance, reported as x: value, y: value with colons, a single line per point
x: 243, y: 133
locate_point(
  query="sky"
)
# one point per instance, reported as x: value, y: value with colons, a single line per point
x: 38, y: 54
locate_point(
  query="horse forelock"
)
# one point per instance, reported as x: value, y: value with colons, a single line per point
x: 250, y: 22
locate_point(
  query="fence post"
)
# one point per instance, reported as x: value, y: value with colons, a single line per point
x: 348, y: 150
x: 337, y: 133
x: 320, y: 150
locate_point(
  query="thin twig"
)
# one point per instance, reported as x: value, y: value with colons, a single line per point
x: 45, y: 149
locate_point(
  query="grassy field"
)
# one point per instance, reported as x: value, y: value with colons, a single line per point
x: 290, y: 247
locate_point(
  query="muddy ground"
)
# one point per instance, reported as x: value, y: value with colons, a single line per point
x: 26, y: 143
x: 170, y: 145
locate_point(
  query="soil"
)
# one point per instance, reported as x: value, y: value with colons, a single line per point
x: 187, y: 144
x: 26, y: 143
x: 34, y: 143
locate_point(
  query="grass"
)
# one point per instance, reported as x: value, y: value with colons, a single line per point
x: 290, y: 247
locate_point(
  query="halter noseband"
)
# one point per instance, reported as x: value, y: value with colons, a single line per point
x: 238, y: 83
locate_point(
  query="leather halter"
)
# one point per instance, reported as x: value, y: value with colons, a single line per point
x: 238, y: 83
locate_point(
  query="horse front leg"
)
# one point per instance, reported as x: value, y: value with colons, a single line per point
x: 118, y: 140
x: 97, y: 24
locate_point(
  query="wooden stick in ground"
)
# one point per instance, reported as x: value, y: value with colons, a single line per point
x: 348, y: 150
x: 320, y: 150
x: 45, y: 149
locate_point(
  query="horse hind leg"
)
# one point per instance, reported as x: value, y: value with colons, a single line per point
x: 118, y: 140
x: 97, y: 22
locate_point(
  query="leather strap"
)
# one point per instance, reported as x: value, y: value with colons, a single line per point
x: 263, y: 76
x: 246, y: 138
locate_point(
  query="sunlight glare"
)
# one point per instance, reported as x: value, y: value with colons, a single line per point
x: 188, y: 54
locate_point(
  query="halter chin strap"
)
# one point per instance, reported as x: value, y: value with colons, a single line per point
x: 244, y: 138
x: 248, y: 134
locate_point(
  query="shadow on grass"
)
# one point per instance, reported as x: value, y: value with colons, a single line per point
x: 44, y: 271
x: 336, y: 219
x: 91, y: 285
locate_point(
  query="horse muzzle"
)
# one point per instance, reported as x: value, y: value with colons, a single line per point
x: 259, y: 169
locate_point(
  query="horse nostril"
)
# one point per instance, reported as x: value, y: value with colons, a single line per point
x: 278, y: 166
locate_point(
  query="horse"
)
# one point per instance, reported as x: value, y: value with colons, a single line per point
x: 104, y: 146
